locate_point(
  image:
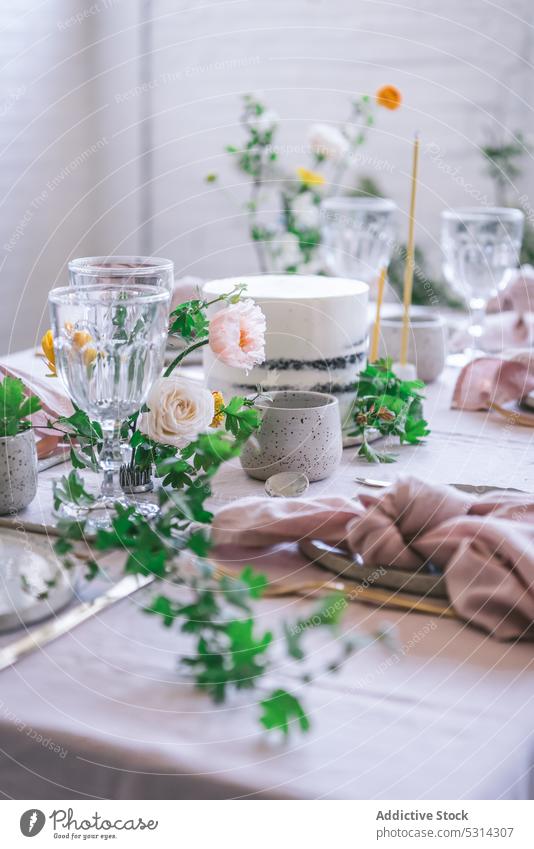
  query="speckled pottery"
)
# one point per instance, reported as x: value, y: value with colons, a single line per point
x: 300, y: 432
x: 18, y: 471
x: 427, y: 342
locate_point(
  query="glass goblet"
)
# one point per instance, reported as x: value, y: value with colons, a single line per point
x: 357, y: 236
x: 109, y: 343
x: 480, y: 247
x: 118, y: 270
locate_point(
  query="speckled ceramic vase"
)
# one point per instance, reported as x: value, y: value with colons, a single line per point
x: 427, y: 342
x: 300, y: 432
x: 18, y: 471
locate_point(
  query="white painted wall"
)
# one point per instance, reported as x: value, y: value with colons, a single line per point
x: 465, y: 68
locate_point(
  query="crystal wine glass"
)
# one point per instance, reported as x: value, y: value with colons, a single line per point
x: 117, y: 271
x: 480, y: 247
x: 109, y: 343
x: 357, y: 236
x: 139, y: 270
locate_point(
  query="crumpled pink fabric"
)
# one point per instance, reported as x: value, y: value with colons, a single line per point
x: 493, y: 380
x: 485, y: 547
x: 518, y: 294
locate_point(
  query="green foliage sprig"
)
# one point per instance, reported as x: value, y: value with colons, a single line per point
x: 298, y: 195
x: 15, y: 407
x: 389, y: 405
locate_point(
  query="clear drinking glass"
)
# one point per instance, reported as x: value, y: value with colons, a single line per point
x: 480, y: 247
x: 117, y: 271
x: 139, y: 270
x: 109, y: 343
x: 357, y: 236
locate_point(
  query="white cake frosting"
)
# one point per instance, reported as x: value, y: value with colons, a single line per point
x: 316, y: 335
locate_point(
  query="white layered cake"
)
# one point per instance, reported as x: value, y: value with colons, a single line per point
x: 316, y: 336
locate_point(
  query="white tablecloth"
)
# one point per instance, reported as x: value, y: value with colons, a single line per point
x: 446, y: 713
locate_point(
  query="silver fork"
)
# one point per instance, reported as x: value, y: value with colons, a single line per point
x: 473, y: 489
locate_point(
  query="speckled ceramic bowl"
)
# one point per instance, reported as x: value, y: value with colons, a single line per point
x: 18, y: 471
x: 427, y: 342
x: 300, y: 432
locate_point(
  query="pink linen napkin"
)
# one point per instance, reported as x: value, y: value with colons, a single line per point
x: 509, y: 322
x: 485, y: 547
x: 493, y: 380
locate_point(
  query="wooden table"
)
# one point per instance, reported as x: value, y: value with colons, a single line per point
x: 446, y: 712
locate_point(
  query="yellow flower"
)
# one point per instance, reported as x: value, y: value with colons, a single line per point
x: 310, y: 178
x: 80, y: 338
x: 389, y: 97
x: 218, y: 404
x: 47, y: 344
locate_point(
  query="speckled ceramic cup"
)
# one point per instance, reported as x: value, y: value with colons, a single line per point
x: 427, y: 342
x: 18, y: 471
x: 300, y: 432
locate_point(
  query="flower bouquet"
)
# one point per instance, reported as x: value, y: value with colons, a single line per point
x: 283, y: 205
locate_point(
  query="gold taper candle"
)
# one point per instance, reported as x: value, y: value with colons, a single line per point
x: 373, y: 355
x: 408, y: 270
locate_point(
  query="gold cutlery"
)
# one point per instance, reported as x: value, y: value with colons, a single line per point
x: 353, y: 592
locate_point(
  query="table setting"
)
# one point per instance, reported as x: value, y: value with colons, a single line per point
x: 270, y: 536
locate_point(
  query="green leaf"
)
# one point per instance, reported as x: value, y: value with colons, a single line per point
x: 241, y: 418
x: 281, y: 710
x: 189, y: 320
x: 15, y: 407
x: 372, y: 456
x: 70, y: 489
x: 255, y: 581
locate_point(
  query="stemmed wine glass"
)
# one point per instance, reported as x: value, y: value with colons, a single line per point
x: 357, y: 236
x: 109, y: 343
x: 117, y: 271
x: 480, y: 247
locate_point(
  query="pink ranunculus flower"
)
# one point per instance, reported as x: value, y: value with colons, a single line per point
x: 237, y: 335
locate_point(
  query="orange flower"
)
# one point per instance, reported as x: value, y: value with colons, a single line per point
x: 47, y: 344
x: 389, y: 97
x: 218, y: 404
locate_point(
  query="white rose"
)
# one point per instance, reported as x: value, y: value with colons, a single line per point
x: 328, y: 141
x: 179, y: 409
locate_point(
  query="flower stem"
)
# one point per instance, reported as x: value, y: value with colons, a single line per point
x: 183, y: 354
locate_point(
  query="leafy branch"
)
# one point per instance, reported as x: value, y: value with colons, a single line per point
x: 389, y: 405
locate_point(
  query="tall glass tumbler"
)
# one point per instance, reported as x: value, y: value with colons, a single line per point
x: 480, y: 247
x: 357, y: 236
x: 109, y: 343
x: 139, y: 270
